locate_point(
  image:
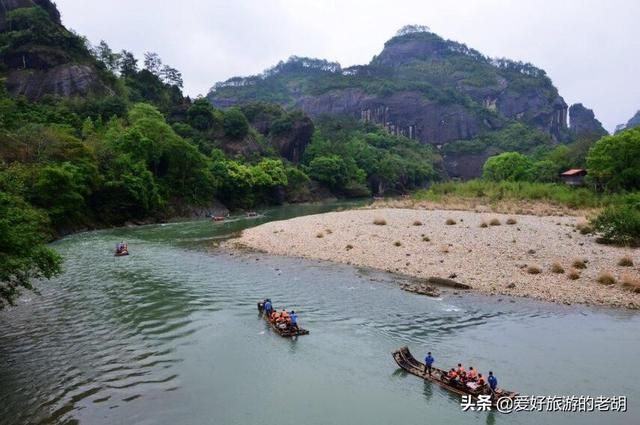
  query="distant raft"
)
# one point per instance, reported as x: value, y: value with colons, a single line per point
x: 406, y: 361
x: 282, y: 329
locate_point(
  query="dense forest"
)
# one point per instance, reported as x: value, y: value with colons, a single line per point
x: 135, y: 149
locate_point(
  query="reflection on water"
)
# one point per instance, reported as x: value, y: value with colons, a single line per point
x: 170, y: 335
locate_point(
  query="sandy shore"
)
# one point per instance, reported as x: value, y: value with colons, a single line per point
x: 496, y: 259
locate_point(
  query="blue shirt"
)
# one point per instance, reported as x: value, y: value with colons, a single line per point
x: 267, y: 305
x: 493, y: 382
x: 429, y: 360
x: 294, y: 319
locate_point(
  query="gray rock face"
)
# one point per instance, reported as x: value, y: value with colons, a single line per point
x: 64, y: 80
x: 291, y: 145
x: 582, y: 122
x: 634, y: 121
x: 35, y: 70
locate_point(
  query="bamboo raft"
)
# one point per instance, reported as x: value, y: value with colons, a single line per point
x: 406, y: 361
x: 283, y: 332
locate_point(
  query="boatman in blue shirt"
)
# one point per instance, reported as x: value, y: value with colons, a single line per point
x: 294, y: 320
x: 428, y: 362
x: 493, y: 382
x: 268, y: 308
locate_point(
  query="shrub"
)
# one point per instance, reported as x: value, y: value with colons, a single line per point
x: 450, y: 222
x: 349, y: 247
x: 533, y: 269
x: 484, y: 224
x: 417, y: 223
x: 606, y: 278
x: 557, y: 268
x: 397, y: 243
x: 619, y: 225
x: 426, y: 239
x: 511, y: 220
x: 495, y: 222
x: 379, y: 221
x: 631, y: 283
x: 319, y: 235
x: 584, y: 228
x: 579, y: 263
x: 625, y: 261
x: 573, y: 275
x: 328, y: 231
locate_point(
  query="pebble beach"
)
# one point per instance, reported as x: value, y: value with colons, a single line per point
x: 544, y: 258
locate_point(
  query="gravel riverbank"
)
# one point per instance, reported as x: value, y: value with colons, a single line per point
x: 544, y: 258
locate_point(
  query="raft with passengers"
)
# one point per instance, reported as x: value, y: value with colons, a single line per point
x: 285, y: 323
x: 122, y: 249
x: 457, y: 380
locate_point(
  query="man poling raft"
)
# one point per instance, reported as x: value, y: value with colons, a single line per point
x: 283, y: 322
x: 457, y: 379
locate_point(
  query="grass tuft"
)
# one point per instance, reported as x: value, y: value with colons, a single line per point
x: 484, y: 225
x: 426, y: 239
x: 557, y: 268
x: 511, y: 221
x: 495, y: 222
x: 417, y: 223
x: 574, y: 274
x: 319, y: 235
x: 397, y: 243
x: 631, y: 283
x: 606, y: 278
x: 450, y: 222
x: 533, y: 269
x: 579, y: 263
x: 349, y: 247
x: 625, y: 261
x: 379, y: 221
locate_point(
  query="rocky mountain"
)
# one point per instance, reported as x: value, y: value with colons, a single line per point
x: 634, y: 121
x: 426, y: 88
x: 39, y: 56
x: 582, y: 122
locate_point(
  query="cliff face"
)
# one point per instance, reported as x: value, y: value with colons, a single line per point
x: 40, y: 56
x: 582, y: 122
x: 633, y: 122
x: 421, y: 86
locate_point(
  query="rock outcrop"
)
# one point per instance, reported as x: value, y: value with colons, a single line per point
x: 7, y: 6
x: 58, y: 64
x: 582, y: 122
x: 633, y: 122
x: 420, y: 86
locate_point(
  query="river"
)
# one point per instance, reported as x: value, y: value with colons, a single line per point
x: 171, y: 335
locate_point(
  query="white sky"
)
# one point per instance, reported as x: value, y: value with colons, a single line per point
x: 590, y: 49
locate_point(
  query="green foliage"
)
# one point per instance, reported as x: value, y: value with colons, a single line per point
x: 235, y: 124
x: 613, y: 162
x: 354, y: 159
x: 620, y: 224
x: 560, y: 194
x: 510, y: 166
x: 516, y: 137
x: 23, y: 253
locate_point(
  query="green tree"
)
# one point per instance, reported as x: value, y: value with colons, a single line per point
x: 613, y: 162
x: 236, y: 125
x: 544, y: 171
x: 23, y: 253
x: 511, y: 166
x: 330, y: 170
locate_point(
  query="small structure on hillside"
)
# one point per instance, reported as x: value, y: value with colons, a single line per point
x: 574, y: 176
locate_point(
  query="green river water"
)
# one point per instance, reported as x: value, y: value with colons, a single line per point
x: 171, y: 335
